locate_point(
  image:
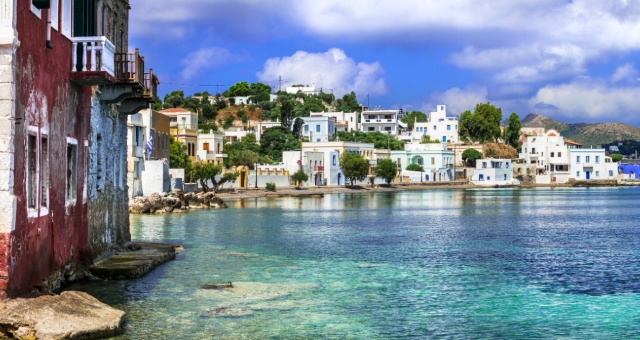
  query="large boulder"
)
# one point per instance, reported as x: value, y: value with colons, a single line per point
x: 70, y: 315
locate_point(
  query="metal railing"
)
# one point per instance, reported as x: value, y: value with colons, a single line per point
x: 92, y: 54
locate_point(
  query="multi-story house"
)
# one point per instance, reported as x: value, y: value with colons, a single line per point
x: 318, y: 129
x: 63, y: 196
x: 210, y: 148
x: 490, y: 171
x: 343, y: 121
x: 434, y: 158
x: 550, y: 155
x: 385, y: 121
x: 183, y: 126
x: 438, y: 128
x: 589, y: 164
x: 329, y: 171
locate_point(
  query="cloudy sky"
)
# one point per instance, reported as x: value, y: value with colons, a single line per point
x: 576, y: 61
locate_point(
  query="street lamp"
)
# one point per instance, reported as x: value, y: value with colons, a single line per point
x: 256, y: 170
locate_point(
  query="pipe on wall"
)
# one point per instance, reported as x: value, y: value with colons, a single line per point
x: 49, y: 44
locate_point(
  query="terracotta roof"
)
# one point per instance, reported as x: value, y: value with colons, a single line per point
x: 569, y: 141
x: 552, y: 135
x: 177, y: 109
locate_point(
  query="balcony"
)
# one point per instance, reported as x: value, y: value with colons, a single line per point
x: 318, y: 168
x: 151, y: 83
x: 92, y: 61
x: 129, y: 68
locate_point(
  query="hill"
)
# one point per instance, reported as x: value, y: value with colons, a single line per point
x: 587, y: 134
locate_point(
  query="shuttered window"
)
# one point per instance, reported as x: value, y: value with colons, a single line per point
x: 54, y: 14
x: 83, y: 18
x: 66, y: 18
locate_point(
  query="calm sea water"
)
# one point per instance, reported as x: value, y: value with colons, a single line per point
x: 545, y: 263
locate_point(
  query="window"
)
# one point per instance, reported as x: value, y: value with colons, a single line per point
x: 334, y: 159
x: 306, y: 128
x: 444, y: 139
x: 488, y: 178
x: 435, y: 128
x: 610, y: 173
x: 507, y: 165
x: 448, y: 127
x: 387, y: 128
x: 484, y: 165
x: 36, y: 11
x: 32, y: 171
x: 578, y: 160
x: 481, y: 177
x: 72, y: 154
x: 433, y: 160
x: 505, y: 177
x: 44, y: 172
x: 317, y: 128
x: 597, y: 173
x: 552, y: 154
x: 54, y: 14
x: 577, y: 174
x: 318, y: 140
x: 559, y: 154
x: 597, y: 159
x: 371, y: 128
x: 587, y: 159
x: 533, y: 151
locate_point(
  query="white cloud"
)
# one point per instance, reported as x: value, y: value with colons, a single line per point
x: 625, y: 72
x: 457, y: 100
x: 331, y: 70
x: 204, y: 59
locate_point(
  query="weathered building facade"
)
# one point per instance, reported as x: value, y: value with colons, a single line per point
x: 63, y: 196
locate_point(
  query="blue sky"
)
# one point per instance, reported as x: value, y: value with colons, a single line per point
x: 574, y: 61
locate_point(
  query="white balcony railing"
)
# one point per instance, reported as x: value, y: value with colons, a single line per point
x: 98, y: 54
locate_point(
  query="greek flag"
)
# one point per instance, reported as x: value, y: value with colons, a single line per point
x: 150, y: 145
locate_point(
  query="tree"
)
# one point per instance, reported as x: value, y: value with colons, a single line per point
x: 208, y: 171
x: 299, y: 177
x: 297, y: 128
x: 378, y: 139
x: 174, y: 99
x: 228, y: 122
x: 512, y: 131
x: 179, y: 158
x: 286, y: 114
x: 240, y: 89
x: 481, y: 126
x: 470, y: 156
x: 243, y: 157
x: 275, y: 140
x: 220, y: 102
x: 354, y: 167
x: 258, y: 88
x: 386, y: 169
x: 412, y: 117
x: 415, y: 167
x: 616, y: 157
x: 208, y: 111
x: 348, y: 103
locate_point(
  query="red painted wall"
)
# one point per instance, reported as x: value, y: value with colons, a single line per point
x: 46, y: 99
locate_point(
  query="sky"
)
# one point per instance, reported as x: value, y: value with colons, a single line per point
x: 574, y: 61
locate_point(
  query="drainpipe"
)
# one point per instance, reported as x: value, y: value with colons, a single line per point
x: 49, y: 44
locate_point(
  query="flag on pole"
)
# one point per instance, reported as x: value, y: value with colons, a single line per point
x: 150, y: 145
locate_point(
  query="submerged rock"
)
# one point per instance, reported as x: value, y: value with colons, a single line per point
x: 174, y: 201
x: 70, y: 315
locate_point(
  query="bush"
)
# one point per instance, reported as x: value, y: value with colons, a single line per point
x: 616, y: 157
x: 415, y: 167
x: 470, y: 156
x: 299, y: 177
x: 270, y: 186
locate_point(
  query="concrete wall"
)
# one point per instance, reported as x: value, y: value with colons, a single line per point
x: 155, y: 177
x: 177, y: 173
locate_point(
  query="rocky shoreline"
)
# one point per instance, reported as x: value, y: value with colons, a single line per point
x: 174, y: 202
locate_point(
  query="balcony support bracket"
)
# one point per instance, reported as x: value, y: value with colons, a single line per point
x: 115, y: 94
x: 133, y: 105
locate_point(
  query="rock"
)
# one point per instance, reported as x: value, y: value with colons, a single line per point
x: 135, y: 264
x: 70, y: 315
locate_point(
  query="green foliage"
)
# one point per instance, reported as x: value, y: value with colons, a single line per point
x: 412, y: 116
x: 239, y: 89
x: 228, y: 122
x: 386, y: 169
x: 265, y: 160
x: 232, y: 101
x: 481, y: 126
x: 512, y: 131
x: 312, y: 103
x: 179, y: 158
x: 275, y: 140
x: 220, y: 102
x: 470, y: 156
x: 378, y: 139
x: 348, y: 103
x: 173, y: 99
x: 297, y: 128
x: 192, y: 104
x: 208, y: 171
x: 270, y: 186
x: 354, y: 167
x: 240, y: 113
x: 248, y: 143
x: 299, y: 177
x: 157, y: 106
x: 287, y: 114
x: 616, y: 157
x: 244, y: 157
x: 207, y: 127
x: 426, y: 139
x: 208, y: 111
x: 415, y: 167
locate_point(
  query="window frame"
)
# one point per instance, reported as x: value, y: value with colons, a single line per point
x: 71, y: 193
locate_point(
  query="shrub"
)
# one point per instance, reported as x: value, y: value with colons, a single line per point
x: 415, y: 167
x: 616, y: 157
x: 299, y: 177
x: 470, y: 156
x: 270, y: 186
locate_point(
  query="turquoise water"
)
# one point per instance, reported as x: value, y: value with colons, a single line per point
x: 503, y: 263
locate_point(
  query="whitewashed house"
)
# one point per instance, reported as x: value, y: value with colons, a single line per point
x: 434, y: 158
x: 210, y: 148
x: 311, y: 162
x: 549, y: 153
x: 439, y: 128
x: 318, y: 129
x: 343, y: 121
x: 491, y: 171
x: 592, y: 164
x: 385, y: 121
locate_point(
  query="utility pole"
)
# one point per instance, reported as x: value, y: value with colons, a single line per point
x: 279, y: 83
x: 368, y: 106
x: 218, y: 85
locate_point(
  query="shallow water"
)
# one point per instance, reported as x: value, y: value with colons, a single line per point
x: 503, y: 263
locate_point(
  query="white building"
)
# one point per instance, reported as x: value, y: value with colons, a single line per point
x: 589, y: 164
x: 308, y: 90
x: 344, y: 121
x: 262, y: 126
x: 210, y: 148
x: 332, y: 175
x: 235, y: 134
x: 439, y: 127
x: 385, y: 121
x: 318, y: 129
x: 434, y: 158
x: 312, y: 163
x: 247, y: 101
x: 490, y: 171
x: 550, y: 155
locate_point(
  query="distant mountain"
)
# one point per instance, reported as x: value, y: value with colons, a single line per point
x: 586, y: 134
